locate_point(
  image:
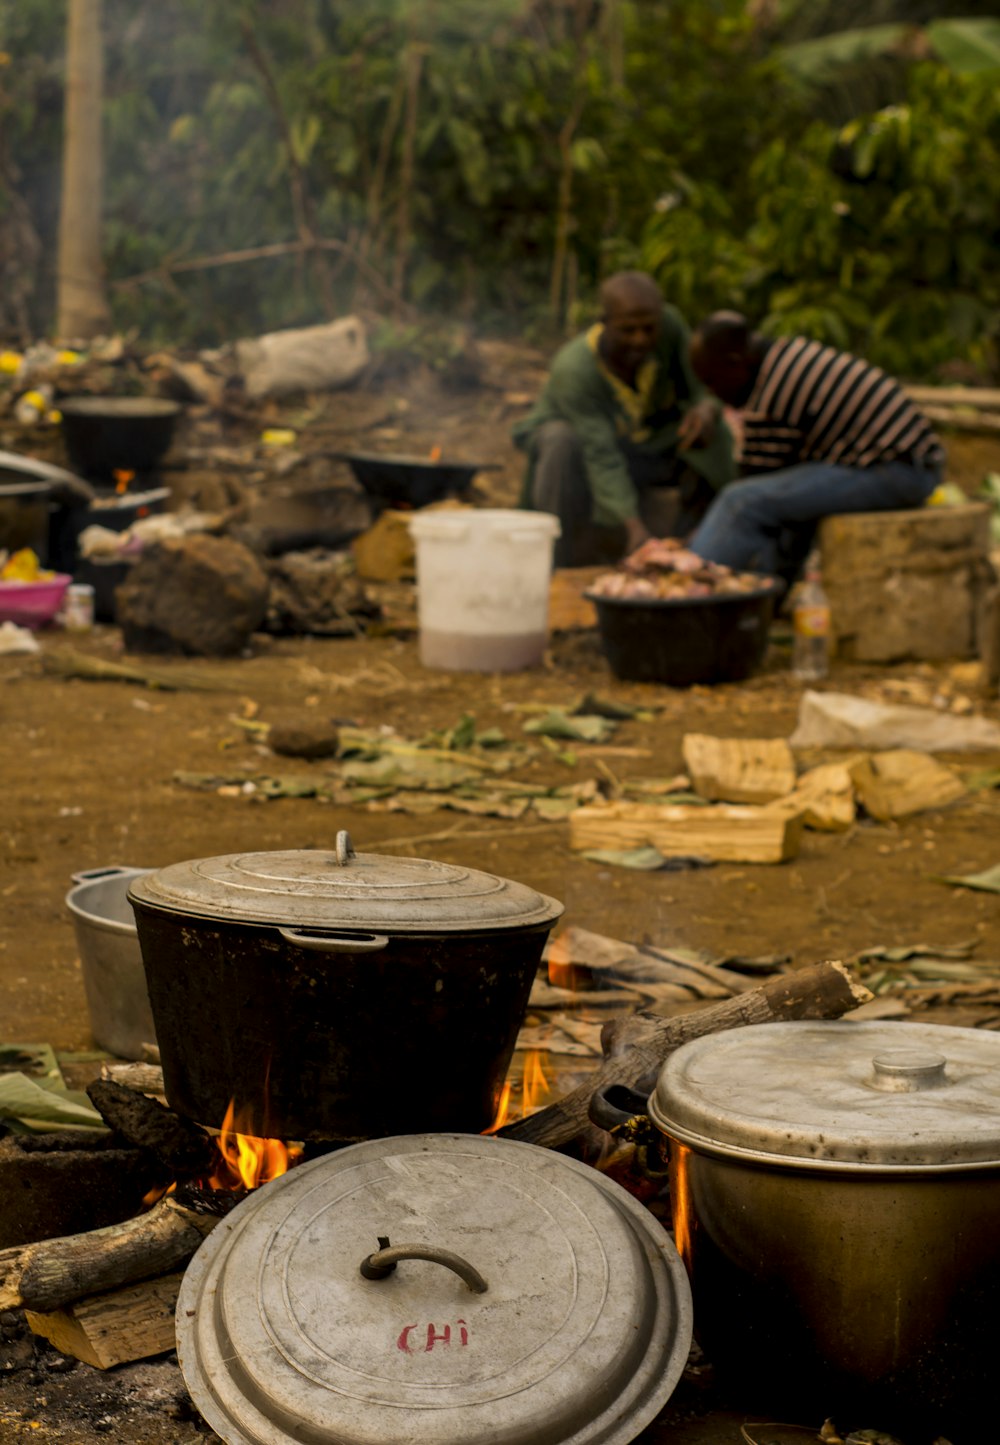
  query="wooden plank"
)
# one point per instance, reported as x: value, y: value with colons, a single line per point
x: 110, y: 1329
x: 902, y: 782
x: 739, y: 770
x: 824, y: 797
x: 720, y: 832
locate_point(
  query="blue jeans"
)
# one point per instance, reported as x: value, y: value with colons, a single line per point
x: 766, y: 524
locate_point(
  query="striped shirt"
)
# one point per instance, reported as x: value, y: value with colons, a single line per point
x: 812, y: 403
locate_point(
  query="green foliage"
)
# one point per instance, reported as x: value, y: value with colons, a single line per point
x: 493, y: 159
x: 878, y: 236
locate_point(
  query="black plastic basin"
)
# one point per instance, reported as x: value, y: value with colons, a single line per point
x: 681, y: 641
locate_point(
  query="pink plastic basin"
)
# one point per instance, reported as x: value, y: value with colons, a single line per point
x: 32, y: 604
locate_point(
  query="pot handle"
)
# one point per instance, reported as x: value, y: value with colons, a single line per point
x: 615, y: 1106
x: 335, y: 942
x: 89, y: 874
x: 384, y: 1261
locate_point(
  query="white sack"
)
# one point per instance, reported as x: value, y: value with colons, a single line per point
x: 311, y: 358
x: 837, y: 720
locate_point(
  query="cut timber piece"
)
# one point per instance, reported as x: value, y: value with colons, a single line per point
x: 902, y: 782
x: 722, y: 833
x: 111, y: 1329
x: 824, y: 797
x: 739, y: 770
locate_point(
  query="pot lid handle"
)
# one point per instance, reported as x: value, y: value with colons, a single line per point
x: 906, y: 1071
x: 382, y: 1263
x: 344, y: 848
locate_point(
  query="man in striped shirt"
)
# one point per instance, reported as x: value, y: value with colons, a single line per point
x: 829, y: 433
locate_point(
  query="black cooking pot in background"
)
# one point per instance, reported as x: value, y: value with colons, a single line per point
x: 105, y: 434
x: 334, y: 995
x: 411, y: 481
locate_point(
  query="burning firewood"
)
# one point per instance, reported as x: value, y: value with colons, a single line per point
x: 184, y: 1148
x: 639, y: 1043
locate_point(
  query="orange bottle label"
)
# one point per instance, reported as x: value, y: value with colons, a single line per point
x: 812, y: 621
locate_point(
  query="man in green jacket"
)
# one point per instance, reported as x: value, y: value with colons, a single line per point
x: 623, y: 417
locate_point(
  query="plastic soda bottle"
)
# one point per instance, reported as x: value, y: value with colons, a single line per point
x: 811, y: 627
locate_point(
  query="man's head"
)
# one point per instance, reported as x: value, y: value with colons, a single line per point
x: 632, y: 312
x: 726, y: 356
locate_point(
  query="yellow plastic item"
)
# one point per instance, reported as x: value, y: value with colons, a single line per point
x: 23, y: 566
x: 9, y: 362
x: 278, y: 437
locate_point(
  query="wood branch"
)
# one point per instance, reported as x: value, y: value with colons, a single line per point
x: 56, y: 1272
x: 303, y: 208
x: 184, y: 1148
x: 268, y: 252
x: 962, y: 420
x: 640, y: 1042
x: 986, y: 397
x: 110, y: 1329
x: 720, y: 831
x: 147, y: 1078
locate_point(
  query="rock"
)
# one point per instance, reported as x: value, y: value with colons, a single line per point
x: 906, y: 584
x: 201, y: 595
x: 317, y: 592
x: 285, y: 520
x: 298, y: 736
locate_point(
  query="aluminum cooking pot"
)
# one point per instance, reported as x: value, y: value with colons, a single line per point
x: 337, y: 995
x: 836, y: 1198
x: 435, y: 1290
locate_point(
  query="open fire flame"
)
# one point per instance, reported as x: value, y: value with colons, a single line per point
x: 244, y: 1161
x: 435, y: 454
x: 123, y: 480
x: 535, y: 1091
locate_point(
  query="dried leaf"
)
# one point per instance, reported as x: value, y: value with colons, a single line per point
x: 33, y: 1104
x: 646, y: 860
x: 985, y: 882
x: 584, y: 727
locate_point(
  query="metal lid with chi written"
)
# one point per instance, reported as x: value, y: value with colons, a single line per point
x: 834, y: 1095
x: 343, y: 889
x: 537, y: 1303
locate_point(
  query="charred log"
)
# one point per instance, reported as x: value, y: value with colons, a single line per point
x: 182, y: 1147
x: 639, y: 1043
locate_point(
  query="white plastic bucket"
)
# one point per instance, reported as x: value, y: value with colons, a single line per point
x: 483, y: 587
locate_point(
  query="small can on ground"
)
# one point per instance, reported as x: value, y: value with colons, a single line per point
x: 78, y: 608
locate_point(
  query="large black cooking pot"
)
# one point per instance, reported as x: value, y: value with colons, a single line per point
x: 335, y: 995
x: 105, y: 434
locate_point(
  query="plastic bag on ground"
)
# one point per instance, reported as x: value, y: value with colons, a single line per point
x: 838, y: 720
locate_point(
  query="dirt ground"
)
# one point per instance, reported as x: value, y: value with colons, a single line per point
x: 87, y: 775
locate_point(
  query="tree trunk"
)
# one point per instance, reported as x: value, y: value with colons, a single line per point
x: 82, y: 310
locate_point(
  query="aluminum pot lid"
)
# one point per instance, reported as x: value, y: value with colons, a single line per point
x: 345, y: 890
x: 828, y: 1094
x: 560, y: 1314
